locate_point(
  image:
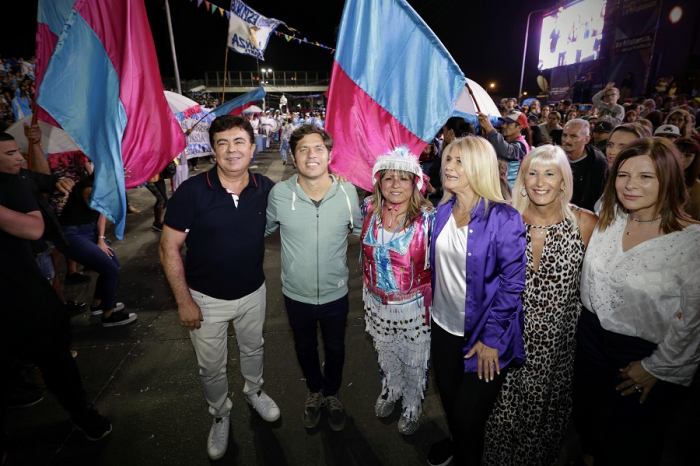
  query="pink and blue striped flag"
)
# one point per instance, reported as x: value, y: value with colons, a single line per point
x: 393, y: 84
x: 51, y: 16
x: 240, y: 103
x: 103, y: 86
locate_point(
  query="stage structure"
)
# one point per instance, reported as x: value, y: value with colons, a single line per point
x: 610, y: 40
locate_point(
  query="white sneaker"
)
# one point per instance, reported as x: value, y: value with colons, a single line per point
x: 218, y: 437
x: 264, y: 405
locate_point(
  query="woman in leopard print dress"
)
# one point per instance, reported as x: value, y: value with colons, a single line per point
x: 529, y: 419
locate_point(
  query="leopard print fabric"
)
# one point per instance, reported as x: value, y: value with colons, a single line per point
x: 532, y: 411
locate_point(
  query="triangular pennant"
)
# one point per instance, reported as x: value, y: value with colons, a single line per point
x: 318, y: 44
x: 221, y: 12
x: 207, y: 4
x: 305, y: 39
x: 213, y: 9
x: 228, y: 14
x: 199, y: 3
x: 333, y: 51
x: 288, y: 37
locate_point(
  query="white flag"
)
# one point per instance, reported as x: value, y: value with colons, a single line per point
x: 248, y: 30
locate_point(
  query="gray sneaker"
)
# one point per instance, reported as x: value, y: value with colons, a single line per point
x: 336, y: 413
x: 312, y: 409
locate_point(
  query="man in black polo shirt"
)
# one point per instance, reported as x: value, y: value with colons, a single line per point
x: 220, y: 216
x: 35, y: 321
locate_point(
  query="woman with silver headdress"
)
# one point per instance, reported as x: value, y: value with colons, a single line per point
x: 396, y: 275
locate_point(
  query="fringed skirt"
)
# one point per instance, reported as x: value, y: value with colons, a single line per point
x: 402, y: 340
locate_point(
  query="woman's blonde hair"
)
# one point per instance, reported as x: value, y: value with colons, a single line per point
x: 547, y: 154
x: 480, y: 165
x: 415, y: 203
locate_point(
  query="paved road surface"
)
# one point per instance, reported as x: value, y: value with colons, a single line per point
x: 144, y: 378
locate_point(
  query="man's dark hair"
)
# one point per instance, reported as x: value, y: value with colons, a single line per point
x: 305, y: 130
x: 536, y: 134
x: 6, y: 137
x: 460, y: 126
x: 566, y: 102
x: 227, y: 122
x: 527, y: 133
x: 656, y: 117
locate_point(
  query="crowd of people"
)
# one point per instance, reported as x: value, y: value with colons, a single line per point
x: 552, y: 277
x: 16, y: 88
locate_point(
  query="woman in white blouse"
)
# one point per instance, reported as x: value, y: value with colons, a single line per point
x: 639, y: 336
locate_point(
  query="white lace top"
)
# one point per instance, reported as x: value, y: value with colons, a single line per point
x: 651, y: 291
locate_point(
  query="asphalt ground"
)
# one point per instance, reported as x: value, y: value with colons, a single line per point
x: 143, y: 377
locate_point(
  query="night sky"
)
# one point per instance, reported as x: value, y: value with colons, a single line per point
x: 484, y: 37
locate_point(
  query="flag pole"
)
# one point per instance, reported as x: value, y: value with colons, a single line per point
x: 189, y: 131
x: 223, y: 89
x: 172, y: 48
x: 35, y: 118
x: 476, y: 102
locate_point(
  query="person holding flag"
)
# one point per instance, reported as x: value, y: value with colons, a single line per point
x: 35, y: 321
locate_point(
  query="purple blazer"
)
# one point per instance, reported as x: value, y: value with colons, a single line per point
x: 496, y: 261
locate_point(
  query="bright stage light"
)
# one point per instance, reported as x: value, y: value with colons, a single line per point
x: 676, y: 14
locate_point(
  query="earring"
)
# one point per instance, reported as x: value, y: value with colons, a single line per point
x: 523, y: 192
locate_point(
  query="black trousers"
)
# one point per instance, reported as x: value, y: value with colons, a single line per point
x: 618, y: 429
x: 36, y: 325
x: 159, y: 191
x: 305, y: 319
x: 467, y: 401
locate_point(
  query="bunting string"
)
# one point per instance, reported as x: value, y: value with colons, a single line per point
x: 304, y: 40
x: 223, y: 13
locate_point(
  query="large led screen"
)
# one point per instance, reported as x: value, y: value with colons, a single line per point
x: 572, y: 34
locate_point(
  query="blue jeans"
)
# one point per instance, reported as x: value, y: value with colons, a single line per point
x: 304, y: 319
x: 84, y: 250
x: 45, y: 264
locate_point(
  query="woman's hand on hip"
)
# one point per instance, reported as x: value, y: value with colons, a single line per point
x: 487, y: 363
x: 637, y: 379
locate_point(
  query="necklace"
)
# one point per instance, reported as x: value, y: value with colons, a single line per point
x: 641, y: 221
x: 543, y: 230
